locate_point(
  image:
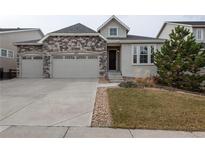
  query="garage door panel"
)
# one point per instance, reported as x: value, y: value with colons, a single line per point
x: 75, y: 68
x: 32, y: 68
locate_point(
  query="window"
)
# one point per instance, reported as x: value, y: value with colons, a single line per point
x: 92, y: 57
x: 113, y: 32
x: 134, y: 55
x: 37, y: 57
x: 152, y: 54
x: 27, y: 57
x: 81, y: 57
x: 143, y: 54
x: 69, y: 57
x: 10, y: 54
x: 57, y: 57
x: 3, y: 53
x: 199, y: 34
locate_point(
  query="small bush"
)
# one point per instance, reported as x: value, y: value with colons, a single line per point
x: 146, y: 82
x: 128, y: 84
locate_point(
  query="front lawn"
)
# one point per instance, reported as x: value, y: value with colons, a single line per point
x: 156, y: 109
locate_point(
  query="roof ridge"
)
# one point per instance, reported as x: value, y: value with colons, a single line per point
x: 111, y: 18
x: 76, y: 28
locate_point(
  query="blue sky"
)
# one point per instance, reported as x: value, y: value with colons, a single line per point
x: 146, y: 25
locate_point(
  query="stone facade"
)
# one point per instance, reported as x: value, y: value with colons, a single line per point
x: 65, y: 45
x: 23, y: 49
x: 74, y: 44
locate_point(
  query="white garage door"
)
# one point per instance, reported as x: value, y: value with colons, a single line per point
x: 80, y: 66
x: 32, y: 67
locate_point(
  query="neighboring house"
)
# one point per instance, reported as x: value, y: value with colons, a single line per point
x: 196, y: 27
x: 8, y: 50
x: 80, y: 52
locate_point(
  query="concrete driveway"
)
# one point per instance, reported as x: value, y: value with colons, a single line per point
x: 47, y: 102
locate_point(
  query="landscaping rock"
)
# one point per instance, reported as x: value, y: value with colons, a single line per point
x: 101, y: 115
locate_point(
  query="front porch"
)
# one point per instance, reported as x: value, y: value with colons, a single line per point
x: 114, y: 63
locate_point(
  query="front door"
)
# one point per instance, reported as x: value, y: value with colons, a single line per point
x: 112, y: 60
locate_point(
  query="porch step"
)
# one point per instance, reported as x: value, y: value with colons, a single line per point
x: 115, y: 77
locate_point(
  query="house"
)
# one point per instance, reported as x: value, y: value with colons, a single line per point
x: 80, y: 52
x: 8, y: 50
x: 196, y: 27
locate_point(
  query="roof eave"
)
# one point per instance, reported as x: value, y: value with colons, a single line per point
x: 113, y: 17
x: 169, y: 22
x: 25, y: 30
x: 71, y: 34
x: 18, y: 44
x: 136, y: 41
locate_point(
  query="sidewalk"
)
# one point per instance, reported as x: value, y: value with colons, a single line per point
x: 89, y: 132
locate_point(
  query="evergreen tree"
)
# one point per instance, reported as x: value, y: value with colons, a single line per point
x: 180, y: 59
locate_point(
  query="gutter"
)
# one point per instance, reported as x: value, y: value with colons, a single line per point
x: 136, y: 41
x: 16, y: 44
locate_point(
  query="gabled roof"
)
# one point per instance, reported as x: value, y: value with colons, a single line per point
x: 193, y: 23
x: 13, y: 29
x: 188, y: 23
x: 115, y: 18
x: 77, y: 28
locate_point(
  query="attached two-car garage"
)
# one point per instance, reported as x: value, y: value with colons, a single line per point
x: 62, y: 66
x: 70, y: 66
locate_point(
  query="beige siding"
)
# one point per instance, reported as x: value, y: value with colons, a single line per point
x: 168, y: 29
x: 113, y: 23
x: 7, y: 40
x: 7, y: 63
x: 130, y: 70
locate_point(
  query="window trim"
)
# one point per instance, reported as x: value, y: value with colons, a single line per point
x: 138, y: 54
x: 1, y: 53
x: 133, y: 46
x: 7, y: 53
x: 112, y: 35
x: 202, y: 34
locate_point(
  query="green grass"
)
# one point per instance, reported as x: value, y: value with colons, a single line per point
x: 154, y: 109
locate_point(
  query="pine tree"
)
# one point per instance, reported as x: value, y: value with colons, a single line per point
x: 180, y: 59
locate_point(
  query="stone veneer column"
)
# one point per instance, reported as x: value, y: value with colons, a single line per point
x: 18, y: 65
x: 46, y: 66
x: 103, y: 64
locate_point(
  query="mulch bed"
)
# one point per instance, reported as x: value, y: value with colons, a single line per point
x: 101, y: 115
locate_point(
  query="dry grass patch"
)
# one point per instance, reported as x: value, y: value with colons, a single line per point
x: 152, y: 109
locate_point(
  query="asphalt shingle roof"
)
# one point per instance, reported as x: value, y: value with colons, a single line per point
x: 30, y: 41
x: 189, y: 22
x: 77, y: 28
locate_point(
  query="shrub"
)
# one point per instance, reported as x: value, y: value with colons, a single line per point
x: 146, y: 82
x: 180, y: 59
x: 128, y: 84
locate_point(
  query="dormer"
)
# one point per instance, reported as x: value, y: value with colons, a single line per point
x: 113, y: 28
